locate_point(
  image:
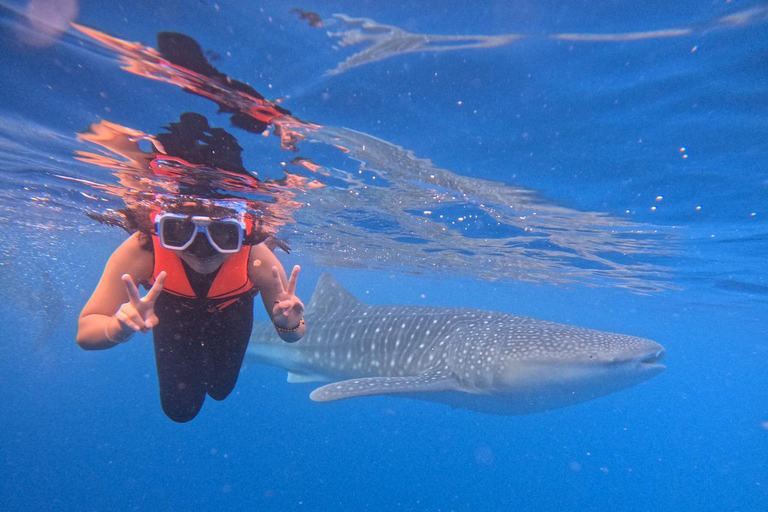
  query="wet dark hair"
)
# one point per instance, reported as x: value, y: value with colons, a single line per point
x: 193, y: 140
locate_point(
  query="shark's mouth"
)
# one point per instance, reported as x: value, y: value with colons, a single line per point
x: 652, y: 360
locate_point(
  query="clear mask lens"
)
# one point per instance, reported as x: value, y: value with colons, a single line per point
x: 226, y: 236
x: 177, y: 232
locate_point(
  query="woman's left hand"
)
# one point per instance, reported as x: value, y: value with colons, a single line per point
x: 288, y: 308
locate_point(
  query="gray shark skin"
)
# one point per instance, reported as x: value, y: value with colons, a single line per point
x: 484, y: 361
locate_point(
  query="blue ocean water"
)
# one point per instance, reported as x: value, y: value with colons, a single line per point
x: 597, y: 164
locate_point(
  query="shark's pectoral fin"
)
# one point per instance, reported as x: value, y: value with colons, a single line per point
x: 300, y: 378
x: 437, y: 380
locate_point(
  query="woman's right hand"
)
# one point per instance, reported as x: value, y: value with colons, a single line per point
x: 138, y: 314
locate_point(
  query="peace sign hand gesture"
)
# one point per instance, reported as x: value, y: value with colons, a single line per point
x: 138, y: 314
x: 288, y: 308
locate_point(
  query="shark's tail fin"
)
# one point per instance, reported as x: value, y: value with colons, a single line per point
x: 330, y: 296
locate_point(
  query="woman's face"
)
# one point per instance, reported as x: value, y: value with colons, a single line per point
x: 201, y: 256
x: 203, y: 265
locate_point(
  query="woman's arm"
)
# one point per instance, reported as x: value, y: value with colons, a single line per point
x: 98, y: 327
x: 284, y: 308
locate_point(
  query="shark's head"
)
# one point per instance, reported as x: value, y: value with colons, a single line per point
x: 572, y: 365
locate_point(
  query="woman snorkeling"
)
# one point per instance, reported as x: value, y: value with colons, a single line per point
x: 203, y: 262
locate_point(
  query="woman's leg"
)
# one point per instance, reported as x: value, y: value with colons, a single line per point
x: 228, y: 334
x: 179, y: 352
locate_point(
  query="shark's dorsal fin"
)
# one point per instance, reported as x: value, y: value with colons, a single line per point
x: 432, y: 381
x: 330, y: 296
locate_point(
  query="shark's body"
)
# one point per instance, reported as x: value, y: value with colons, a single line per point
x: 481, y: 360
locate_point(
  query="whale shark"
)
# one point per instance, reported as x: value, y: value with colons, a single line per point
x: 485, y: 361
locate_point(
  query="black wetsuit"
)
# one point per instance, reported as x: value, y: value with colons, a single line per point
x: 199, y: 348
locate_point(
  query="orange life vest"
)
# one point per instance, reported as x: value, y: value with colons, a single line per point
x: 231, y: 280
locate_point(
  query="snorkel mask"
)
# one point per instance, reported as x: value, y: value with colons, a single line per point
x: 178, y: 232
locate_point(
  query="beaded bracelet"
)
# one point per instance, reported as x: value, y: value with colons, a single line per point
x: 283, y: 329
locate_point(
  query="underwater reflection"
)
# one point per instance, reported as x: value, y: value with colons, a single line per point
x: 387, y: 41
x: 373, y: 204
